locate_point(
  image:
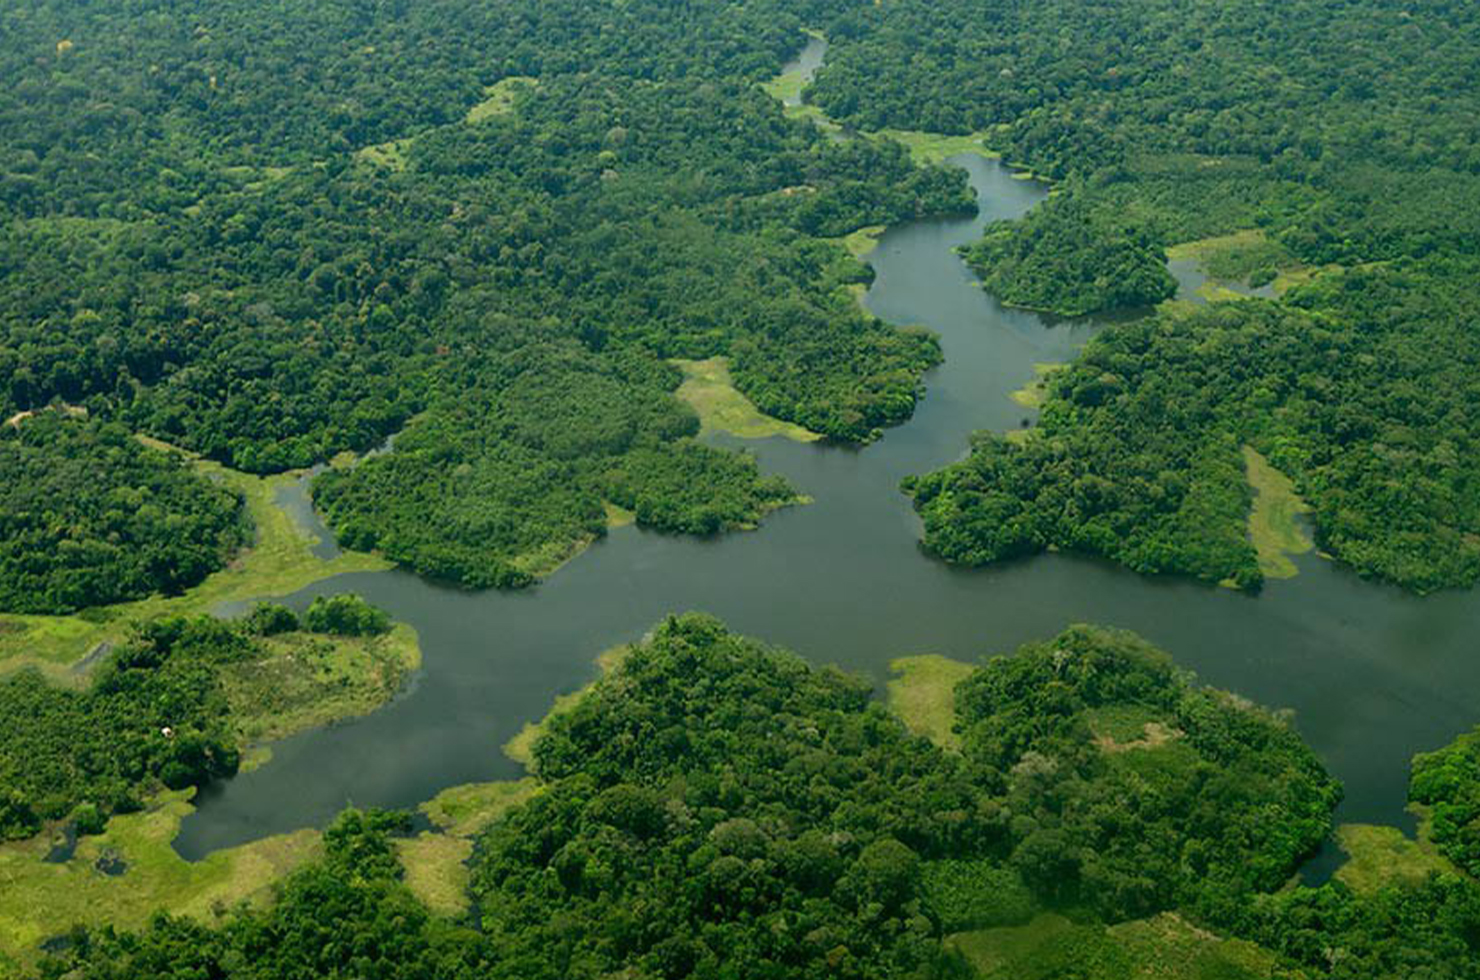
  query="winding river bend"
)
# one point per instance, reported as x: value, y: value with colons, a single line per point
x: 1372, y: 674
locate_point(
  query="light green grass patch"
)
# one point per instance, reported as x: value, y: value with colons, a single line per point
x: 391, y: 154
x: 861, y: 242
x: 1166, y: 947
x: 937, y: 147
x: 40, y: 900
x: 437, y: 871
x: 1215, y: 292
x: 1035, y: 392
x: 551, y: 556
x: 279, y: 562
x: 710, y: 391
x: 1274, y: 524
x: 923, y: 694
x: 617, y: 516
x: 1378, y: 856
x: 1236, y: 258
x: 520, y: 748
x: 307, y: 680
x: 786, y: 87
x: 462, y: 811
x: 500, y: 97
x: 1204, y: 247
x: 1121, y: 724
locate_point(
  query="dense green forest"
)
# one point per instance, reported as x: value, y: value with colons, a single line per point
x: 89, y: 516
x: 1341, y: 135
x: 715, y: 807
x: 164, y: 710
x: 1137, y: 454
x: 1344, y: 130
x: 272, y: 242
x: 1448, y: 783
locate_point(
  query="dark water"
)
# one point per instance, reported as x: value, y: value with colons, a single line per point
x: 1373, y: 675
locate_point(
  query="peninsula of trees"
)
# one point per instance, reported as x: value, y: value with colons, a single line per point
x: 716, y: 807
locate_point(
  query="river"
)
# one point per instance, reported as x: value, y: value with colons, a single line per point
x: 1372, y: 674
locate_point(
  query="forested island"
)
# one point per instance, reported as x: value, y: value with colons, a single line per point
x: 484, y: 279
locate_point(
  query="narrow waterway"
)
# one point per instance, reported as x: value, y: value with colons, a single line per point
x: 1372, y: 674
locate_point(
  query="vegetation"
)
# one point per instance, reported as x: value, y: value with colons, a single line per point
x: 173, y: 708
x: 1166, y: 947
x: 44, y: 898
x: 1159, y: 135
x: 306, y: 679
x: 710, y: 391
x: 1159, y: 139
x: 1380, y: 857
x: 1061, y: 259
x: 429, y: 238
x: 708, y: 790
x: 1274, y: 518
x: 278, y: 561
x: 923, y: 694
x: 88, y: 517
x: 1137, y: 455
x: 1447, y: 784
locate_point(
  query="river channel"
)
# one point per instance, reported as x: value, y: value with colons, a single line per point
x: 1371, y: 673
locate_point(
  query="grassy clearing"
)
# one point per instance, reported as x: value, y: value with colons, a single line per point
x: 280, y: 561
x: 309, y: 680
x: 1123, y: 724
x: 1274, y: 523
x: 40, y: 900
x: 923, y: 694
x: 1215, y: 292
x: 500, y: 98
x: 786, y: 87
x: 1242, y: 258
x: 462, y: 811
x: 1204, y: 247
x: 1162, y: 948
x: 861, y: 242
x: 391, y: 154
x: 937, y: 147
x: 520, y: 748
x: 436, y: 861
x: 1378, y: 856
x: 549, y: 558
x: 617, y: 516
x: 710, y: 391
x: 1035, y: 392
x: 437, y: 871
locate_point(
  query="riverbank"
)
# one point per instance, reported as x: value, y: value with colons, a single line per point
x: 281, y: 560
